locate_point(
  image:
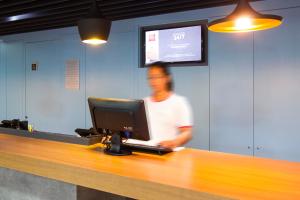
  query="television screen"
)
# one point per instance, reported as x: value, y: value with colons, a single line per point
x: 174, y: 43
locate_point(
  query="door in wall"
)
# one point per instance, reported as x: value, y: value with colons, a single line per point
x: 277, y: 91
x: 231, y: 93
x: 49, y: 105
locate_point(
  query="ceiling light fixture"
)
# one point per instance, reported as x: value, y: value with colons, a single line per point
x: 244, y: 19
x: 94, y: 28
x: 21, y: 17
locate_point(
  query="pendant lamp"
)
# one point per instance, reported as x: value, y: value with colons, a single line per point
x: 244, y: 19
x: 94, y: 28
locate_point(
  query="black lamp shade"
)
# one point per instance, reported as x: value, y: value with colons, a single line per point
x: 94, y: 29
x: 243, y: 19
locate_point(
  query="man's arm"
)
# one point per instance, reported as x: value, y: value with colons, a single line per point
x: 184, y: 136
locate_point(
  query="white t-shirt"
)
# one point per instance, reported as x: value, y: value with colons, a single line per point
x: 165, y: 117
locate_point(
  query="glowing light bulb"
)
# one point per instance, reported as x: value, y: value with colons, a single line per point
x: 243, y: 23
x: 94, y: 41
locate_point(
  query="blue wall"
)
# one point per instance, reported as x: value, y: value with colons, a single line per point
x: 245, y: 101
x: 2, y: 82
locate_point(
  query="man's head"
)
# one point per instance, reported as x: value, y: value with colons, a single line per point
x: 159, y: 77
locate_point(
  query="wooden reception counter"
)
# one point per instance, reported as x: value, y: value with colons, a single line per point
x: 188, y: 174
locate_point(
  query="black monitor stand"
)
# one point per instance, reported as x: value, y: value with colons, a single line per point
x: 114, y: 146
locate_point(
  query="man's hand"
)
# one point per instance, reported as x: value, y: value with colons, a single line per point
x: 169, y: 144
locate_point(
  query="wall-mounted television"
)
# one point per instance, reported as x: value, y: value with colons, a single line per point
x: 178, y: 44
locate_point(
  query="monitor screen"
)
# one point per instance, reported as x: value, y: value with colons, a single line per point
x: 182, y: 43
x: 173, y: 45
x: 120, y: 115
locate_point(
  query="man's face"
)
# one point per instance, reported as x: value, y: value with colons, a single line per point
x: 157, y: 80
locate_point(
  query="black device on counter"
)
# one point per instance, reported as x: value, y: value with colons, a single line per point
x: 122, y: 119
x: 15, y: 124
x: 85, y: 132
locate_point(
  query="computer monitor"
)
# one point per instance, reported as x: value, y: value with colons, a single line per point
x: 123, y: 118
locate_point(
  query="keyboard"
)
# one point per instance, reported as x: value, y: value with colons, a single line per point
x: 147, y: 148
